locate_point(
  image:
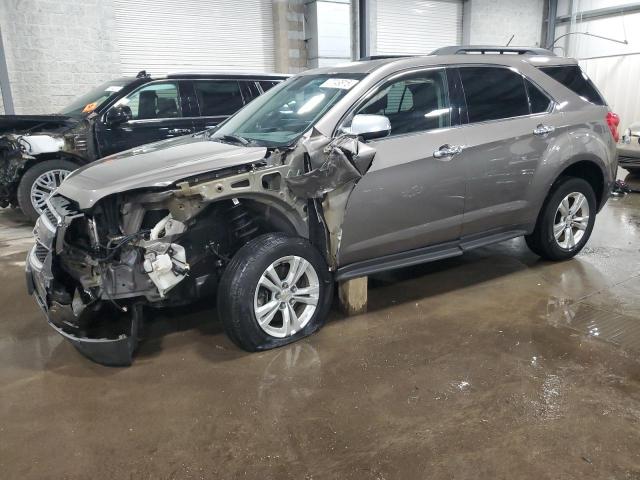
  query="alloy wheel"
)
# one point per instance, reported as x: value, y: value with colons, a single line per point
x: 571, y: 220
x: 286, y: 296
x: 44, y: 185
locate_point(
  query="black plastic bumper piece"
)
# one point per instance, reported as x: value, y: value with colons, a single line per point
x: 113, y: 352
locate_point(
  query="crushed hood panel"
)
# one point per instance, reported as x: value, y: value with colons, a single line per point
x: 30, y: 123
x: 155, y: 165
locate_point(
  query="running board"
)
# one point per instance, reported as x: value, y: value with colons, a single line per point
x: 421, y: 255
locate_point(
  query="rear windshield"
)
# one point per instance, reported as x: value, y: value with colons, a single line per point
x: 572, y: 77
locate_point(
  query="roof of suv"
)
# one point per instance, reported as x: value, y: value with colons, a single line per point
x: 513, y: 56
x: 260, y: 76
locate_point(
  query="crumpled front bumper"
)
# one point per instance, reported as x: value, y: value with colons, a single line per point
x: 66, y: 319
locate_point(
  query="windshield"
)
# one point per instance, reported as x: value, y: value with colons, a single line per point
x: 88, y: 102
x: 284, y: 113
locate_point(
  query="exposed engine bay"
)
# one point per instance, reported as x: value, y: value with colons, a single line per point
x: 159, y: 247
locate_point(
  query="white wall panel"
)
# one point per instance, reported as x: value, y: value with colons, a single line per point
x: 416, y: 27
x: 584, y: 5
x: 163, y: 36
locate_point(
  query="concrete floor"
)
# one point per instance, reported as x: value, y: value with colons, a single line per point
x: 491, y: 365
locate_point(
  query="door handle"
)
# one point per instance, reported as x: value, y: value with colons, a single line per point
x: 542, y: 130
x: 447, y: 151
x: 179, y: 131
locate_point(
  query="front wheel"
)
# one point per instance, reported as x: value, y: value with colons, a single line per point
x: 39, y: 182
x: 566, y: 220
x: 277, y: 289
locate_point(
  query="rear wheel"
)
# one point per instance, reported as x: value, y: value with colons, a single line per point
x: 566, y: 220
x: 277, y: 289
x: 39, y: 182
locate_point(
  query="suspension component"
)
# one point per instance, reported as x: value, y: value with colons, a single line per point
x: 244, y: 227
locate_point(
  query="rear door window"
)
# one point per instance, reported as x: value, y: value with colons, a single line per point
x: 249, y: 90
x: 572, y: 77
x: 267, y: 84
x: 218, y: 97
x: 493, y: 93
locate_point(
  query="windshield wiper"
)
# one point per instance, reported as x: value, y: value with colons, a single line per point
x: 233, y: 139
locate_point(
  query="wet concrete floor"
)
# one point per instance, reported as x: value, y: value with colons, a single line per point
x: 492, y: 365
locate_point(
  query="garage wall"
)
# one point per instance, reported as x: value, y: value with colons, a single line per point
x: 290, y: 44
x: 328, y: 32
x: 492, y: 22
x: 414, y: 27
x: 613, y: 67
x: 57, y: 50
x: 162, y: 36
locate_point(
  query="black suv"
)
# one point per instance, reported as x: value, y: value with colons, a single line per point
x: 38, y: 151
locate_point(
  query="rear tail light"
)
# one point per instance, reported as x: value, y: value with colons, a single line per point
x: 613, y: 121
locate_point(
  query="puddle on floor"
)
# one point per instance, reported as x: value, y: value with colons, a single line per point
x: 620, y: 330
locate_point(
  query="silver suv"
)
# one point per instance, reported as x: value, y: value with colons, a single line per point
x: 336, y: 173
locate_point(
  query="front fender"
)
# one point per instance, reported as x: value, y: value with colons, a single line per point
x: 265, y: 187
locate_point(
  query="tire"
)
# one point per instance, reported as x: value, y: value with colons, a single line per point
x: 242, y: 292
x: 543, y: 241
x: 34, y: 173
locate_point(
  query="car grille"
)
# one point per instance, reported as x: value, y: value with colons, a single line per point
x: 41, y: 252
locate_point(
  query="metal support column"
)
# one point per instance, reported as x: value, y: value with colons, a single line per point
x: 550, y: 31
x: 5, y: 86
x: 363, y: 24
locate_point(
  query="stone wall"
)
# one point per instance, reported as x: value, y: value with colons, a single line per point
x: 289, y: 29
x: 492, y: 22
x: 57, y: 50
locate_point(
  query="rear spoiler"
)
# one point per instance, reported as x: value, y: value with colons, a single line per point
x: 492, y: 49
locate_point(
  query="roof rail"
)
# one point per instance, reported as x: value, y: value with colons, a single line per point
x: 492, y: 49
x: 382, y: 57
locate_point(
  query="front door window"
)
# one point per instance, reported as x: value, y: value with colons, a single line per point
x: 414, y: 103
x: 157, y: 100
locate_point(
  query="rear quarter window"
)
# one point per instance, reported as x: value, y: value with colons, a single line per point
x: 572, y: 77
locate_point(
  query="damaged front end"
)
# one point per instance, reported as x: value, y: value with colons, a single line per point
x: 27, y: 139
x: 13, y: 161
x: 92, y: 275
x: 95, y: 270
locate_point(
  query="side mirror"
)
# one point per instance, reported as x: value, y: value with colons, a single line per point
x: 370, y: 127
x: 117, y: 115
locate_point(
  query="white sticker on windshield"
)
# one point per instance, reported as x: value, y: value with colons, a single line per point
x: 341, y: 83
x: 113, y: 88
